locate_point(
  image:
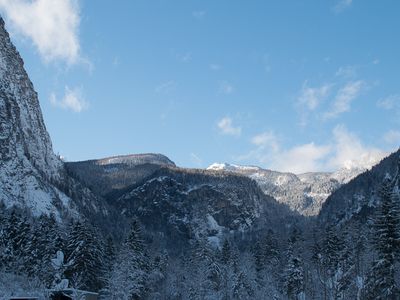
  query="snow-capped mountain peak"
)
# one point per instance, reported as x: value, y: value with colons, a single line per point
x: 231, y: 167
x: 137, y: 159
x: 304, y: 193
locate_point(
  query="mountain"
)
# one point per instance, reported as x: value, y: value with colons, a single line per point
x: 304, y: 193
x: 359, y: 198
x: 136, y: 159
x: 178, y: 206
x: 31, y: 175
x: 106, y: 175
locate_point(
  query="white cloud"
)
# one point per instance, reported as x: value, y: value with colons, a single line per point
x: 266, y: 139
x: 342, y: 5
x: 392, y: 137
x: 72, y: 100
x: 311, y: 97
x: 350, y: 152
x: 226, y: 127
x: 344, y: 98
x: 166, y: 87
x: 226, y: 88
x: 302, y: 158
x: 345, y: 150
x: 309, y: 100
x: 51, y: 25
x: 390, y: 102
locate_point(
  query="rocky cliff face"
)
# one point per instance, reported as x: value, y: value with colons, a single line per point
x: 23, y: 134
x: 31, y: 176
x: 27, y: 162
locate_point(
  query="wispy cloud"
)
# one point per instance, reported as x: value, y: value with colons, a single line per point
x: 344, y: 97
x: 345, y: 150
x: 347, y: 72
x: 166, y: 87
x: 349, y: 151
x: 226, y: 87
x: 226, y: 127
x: 266, y: 139
x: 72, y: 100
x: 51, y: 25
x: 342, y: 5
x: 390, y: 102
x: 310, y: 98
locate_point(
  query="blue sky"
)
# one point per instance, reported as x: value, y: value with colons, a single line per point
x: 290, y: 85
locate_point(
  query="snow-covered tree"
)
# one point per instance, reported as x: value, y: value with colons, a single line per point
x: 294, y: 274
x: 129, y: 275
x: 85, y: 251
x: 380, y: 282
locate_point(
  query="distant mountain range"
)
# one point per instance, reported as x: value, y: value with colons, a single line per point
x: 304, y: 193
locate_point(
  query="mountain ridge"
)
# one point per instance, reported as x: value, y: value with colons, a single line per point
x: 304, y: 192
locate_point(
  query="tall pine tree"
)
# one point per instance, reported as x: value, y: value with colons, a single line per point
x: 380, y: 282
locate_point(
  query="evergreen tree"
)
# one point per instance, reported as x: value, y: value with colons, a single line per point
x: 226, y: 252
x: 332, y: 248
x: 109, y: 254
x: 270, y: 246
x: 259, y: 258
x: 294, y: 275
x: 380, y: 282
x: 208, y: 270
x: 49, y: 241
x: 85, y: 251
x: 345, y: 274
x: 226, y: 269
x: 129, y: 275
x: 16, y: 239
x: 242, y: 289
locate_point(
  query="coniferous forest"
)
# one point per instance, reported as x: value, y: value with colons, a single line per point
x: 354, y: 260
